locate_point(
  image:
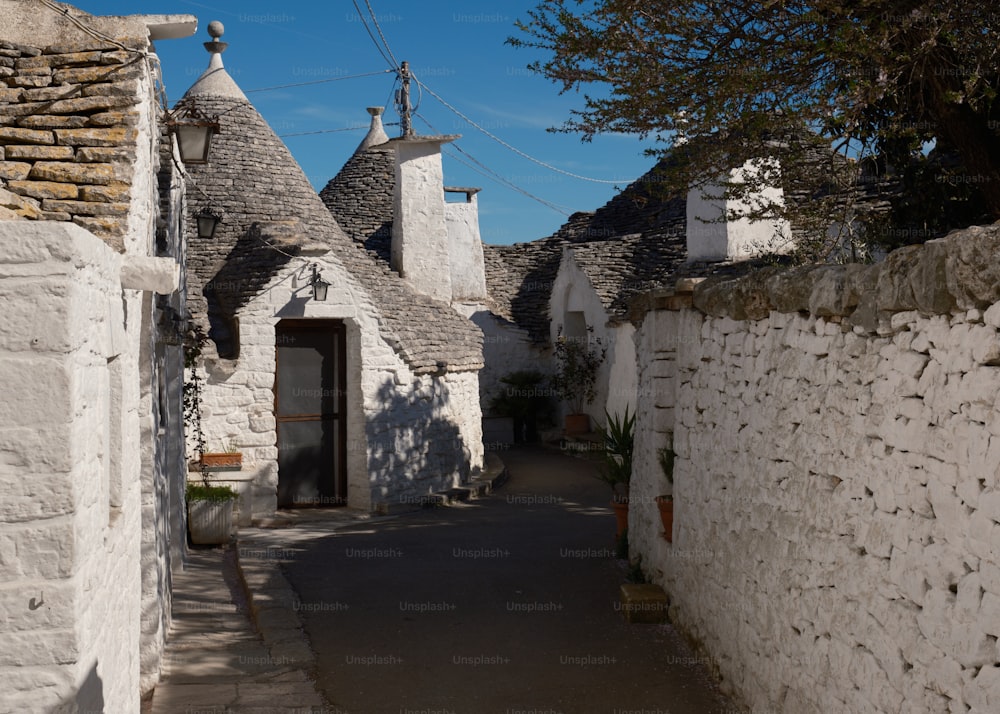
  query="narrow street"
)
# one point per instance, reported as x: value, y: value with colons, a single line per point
x: 508, y: 604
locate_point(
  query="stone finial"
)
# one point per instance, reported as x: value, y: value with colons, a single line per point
x: 376, y: 133
x: 216, y: 29
x: 215, y: 80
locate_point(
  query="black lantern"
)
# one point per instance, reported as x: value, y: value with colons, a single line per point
x: 208, y: 221
x: 194, y: 132
x: 319, y: 286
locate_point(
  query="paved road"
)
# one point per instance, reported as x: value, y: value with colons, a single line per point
x: 505, y: 605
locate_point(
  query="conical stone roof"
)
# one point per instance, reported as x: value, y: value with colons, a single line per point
x: 270, y: 210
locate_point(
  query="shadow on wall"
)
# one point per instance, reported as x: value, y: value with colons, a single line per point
x: 246, y: 270
x: 88, y: 699
x: 414, y: 449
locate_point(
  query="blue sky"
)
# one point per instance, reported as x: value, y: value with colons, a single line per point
x: 456, y: 49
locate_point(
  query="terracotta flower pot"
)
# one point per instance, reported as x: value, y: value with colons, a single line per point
x: 666, y: 506
x: 620, y: 508
x: 577, y: 423
x: 222, y: 461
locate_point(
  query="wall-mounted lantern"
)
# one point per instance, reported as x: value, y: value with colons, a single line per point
x: 319, y: 286
x: 194, y: 132
x: 207, y: 221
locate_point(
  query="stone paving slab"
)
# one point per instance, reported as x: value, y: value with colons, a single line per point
x: 216, y: 661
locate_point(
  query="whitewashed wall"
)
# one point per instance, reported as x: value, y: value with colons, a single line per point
x: 70, y: 473
x: 465, y: 248
x: 406, y: 433
x: 837, y: 499
x: 617, y: 377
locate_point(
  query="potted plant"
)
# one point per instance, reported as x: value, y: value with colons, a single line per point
x: 525, y: 399
x: 665, y: 502
x: 209, y: 508
x: 227, y: 458
x: 210, y: 512
x: 616, y: 468
x: 575, y: 379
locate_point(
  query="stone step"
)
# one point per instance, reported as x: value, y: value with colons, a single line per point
x: 644, y: 603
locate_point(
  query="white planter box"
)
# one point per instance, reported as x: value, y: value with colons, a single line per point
x: 210, y: 522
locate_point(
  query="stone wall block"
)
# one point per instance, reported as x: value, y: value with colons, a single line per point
x: 51, y: 122
x: 39, y: 152
x: 67, y: 172
x: 14, y: 135
x: 790, y: 290
x: 115, y: 137
x: 973, y: 275
x: 86, y: 208
x: 928, y: 279
x: 86, y: 75
x: 44, y: 189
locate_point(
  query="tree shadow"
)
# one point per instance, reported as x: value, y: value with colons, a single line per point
x: 414, y: 447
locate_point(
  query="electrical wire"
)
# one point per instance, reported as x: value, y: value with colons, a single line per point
x: 332, y: 131
x: 489, y: 173
x: 318, y: 81
x: 513, y: 148
x: 380, y: 33
x: 391, y: 62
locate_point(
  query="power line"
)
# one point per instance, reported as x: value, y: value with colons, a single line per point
x: 391, y: 62
x: 332, y: 131
x: 489, y: 173
x: 380, y: 33
x: 318, y: 81
x: 512, y: 148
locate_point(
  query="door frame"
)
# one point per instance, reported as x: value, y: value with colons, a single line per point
x: 340, y: 479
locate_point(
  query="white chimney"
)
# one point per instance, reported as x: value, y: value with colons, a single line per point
x: 716, y: 230
x: 468, y: 266
x: 420, y: 247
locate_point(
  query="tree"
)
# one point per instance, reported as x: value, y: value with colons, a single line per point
x: 877, y: 81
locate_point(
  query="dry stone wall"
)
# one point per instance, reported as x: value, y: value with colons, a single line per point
x: 68, y: 116
x: 836, y: 541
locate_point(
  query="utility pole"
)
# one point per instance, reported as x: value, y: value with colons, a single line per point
x: 403, y: 100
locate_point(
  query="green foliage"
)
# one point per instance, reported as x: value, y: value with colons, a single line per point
x: 577, y: 362
x: 618, y: 448
x: 719, y: 84
x: 204, y: 492
x: 194, y: 344
x: 526, y: 398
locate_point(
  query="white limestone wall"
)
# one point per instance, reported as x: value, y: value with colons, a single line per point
x: 716, y: 228
x: 837, y: 505
x: 465, y: 251
x: 70, y: 473
x: 506, y: 349
x: 420, y: 243
x: 430, y: 419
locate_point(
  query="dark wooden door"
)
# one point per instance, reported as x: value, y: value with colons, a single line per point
x: 310, y: 407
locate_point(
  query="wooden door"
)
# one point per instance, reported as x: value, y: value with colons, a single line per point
x: 310, y: 408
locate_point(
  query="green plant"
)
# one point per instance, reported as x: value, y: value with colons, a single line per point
x: 191, y: 393
x: 618, y: 437
x: 205, y: 492
x: 526, y: 399
x: 577, y: 362
x: 227, y: 448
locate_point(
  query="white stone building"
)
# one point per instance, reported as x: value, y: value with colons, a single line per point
x: 91, y: 449
x: 580, y: 281
x: 368, y: 397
